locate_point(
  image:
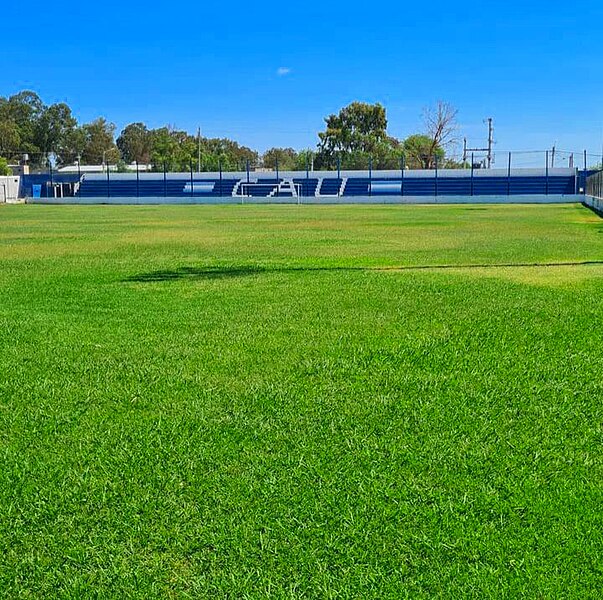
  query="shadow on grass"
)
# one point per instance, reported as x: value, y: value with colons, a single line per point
x: 197, y: 273
x: 234, y: 272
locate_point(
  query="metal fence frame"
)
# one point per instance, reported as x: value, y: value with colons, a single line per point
x: 594, y: 185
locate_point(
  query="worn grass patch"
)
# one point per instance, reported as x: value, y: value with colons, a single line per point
x: 337, y: 402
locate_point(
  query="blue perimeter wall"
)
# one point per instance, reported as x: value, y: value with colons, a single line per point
x: 325, y: 185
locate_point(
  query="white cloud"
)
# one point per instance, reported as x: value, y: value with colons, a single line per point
x: 282, y: 71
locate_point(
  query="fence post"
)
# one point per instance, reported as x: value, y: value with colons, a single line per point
x: 370, y: 166
x: 402, y: 176
x: 108, y: 181
x: 220, y: 167
x: 51, y: 180
x: 546, y: 181
x: 79, y: 175
x: 164, y: 179
x: 191, y: 167
x: 471, y: 178
x: 435, y: 183
x: 307, y: 175
x: 338, y: 173
x: 277, y: 175
x: 509, y: 176
x: 137, y: 181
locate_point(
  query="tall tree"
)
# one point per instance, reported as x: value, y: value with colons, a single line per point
x: 24, y: 108
x: 285, y: 157
x: 20, y: 114
x: 440, y: 125
x: 53, y: 128
x: 72, y: 146
x: 135, y: 143
x: 10, y: 139
x: 99, y: 143
x: 164, y: 149
x: 358, y: 127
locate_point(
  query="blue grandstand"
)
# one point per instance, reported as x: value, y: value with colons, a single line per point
x: 314, y: 184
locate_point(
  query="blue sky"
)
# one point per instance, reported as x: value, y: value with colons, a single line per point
x: 535, y: 67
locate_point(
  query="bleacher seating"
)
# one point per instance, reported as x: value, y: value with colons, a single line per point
x: 330, y: 186
x: 461, y: 184
x: 130, y: 188
x: 306, y: 187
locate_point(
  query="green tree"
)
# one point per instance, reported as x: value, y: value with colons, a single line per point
x: 24, y: 109
x: 164, y: 149
x: 53, y: 129
x: 420, y: 153
x: 19, y: 115
x: 358, y: 127
x: 10, y: 138
x: 4, y: 168
x: 355, y: 136
x: 177, y: 150
x: 72, y: 146
x: 136, y: 143
x: 304, y: 159
x: 286, y: 158
x: 99, y: 144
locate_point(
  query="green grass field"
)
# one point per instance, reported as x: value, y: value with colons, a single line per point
x: 301, y: 402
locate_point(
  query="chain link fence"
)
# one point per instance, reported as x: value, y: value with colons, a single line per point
x: 594, y: 185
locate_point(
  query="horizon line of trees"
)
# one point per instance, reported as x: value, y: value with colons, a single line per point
x: 353, y: 138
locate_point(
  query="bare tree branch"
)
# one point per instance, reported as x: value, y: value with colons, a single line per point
x: 440, y: 125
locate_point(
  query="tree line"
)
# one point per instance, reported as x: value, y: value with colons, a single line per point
x: 352, y: 138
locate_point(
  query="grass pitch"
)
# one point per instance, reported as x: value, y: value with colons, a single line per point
x: 290, y: 402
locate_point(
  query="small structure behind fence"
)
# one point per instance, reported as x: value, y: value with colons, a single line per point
x: 9, y: 189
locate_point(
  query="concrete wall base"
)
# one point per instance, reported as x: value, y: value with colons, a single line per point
x: 519, y: 199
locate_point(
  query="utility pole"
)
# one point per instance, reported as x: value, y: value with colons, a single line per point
x: 489, y: 155
x: 490, y: 140
x: 553, y: 156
